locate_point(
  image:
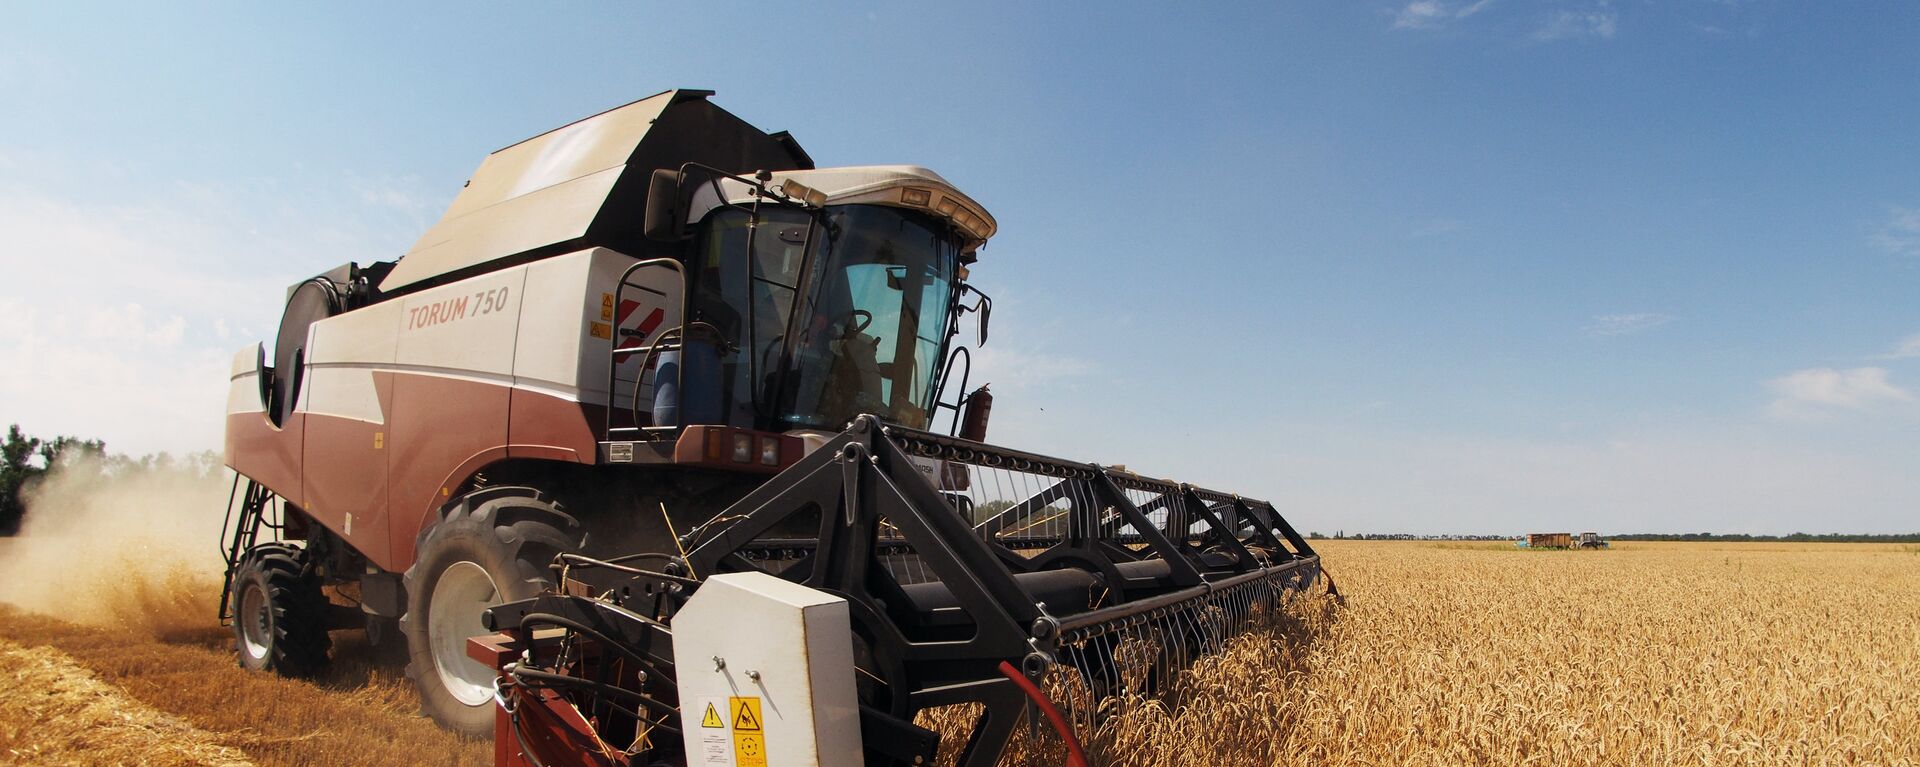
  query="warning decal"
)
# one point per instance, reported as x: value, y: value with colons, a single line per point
x: 749, y: 742
x: 746, y: 713
x: 715, y: 744
x: 748, y: 750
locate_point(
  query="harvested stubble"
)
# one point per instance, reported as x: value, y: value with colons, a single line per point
x: 1682, y: 654
x: 58, y: 713
x: 359, y: 713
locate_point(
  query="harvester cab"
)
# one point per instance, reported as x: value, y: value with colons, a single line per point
x: 813, y: 296
x: 658, y: 347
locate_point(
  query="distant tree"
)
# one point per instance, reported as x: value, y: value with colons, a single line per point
x: 71, y: 450
x: 16, y: 469
x: 84, y: 460
x: 19, y: 471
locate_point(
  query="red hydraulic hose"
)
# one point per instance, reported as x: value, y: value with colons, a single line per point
x: 1075, y: 756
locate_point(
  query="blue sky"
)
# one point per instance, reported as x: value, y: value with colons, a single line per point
x: 1432, y: 266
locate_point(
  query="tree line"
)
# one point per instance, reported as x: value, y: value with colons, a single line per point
x: 25, y: 460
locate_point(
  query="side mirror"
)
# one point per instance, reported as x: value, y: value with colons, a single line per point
x: 986, y: 313
x: 662, y: 223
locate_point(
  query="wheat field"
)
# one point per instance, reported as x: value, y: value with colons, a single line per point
x: 1650, y: 653
x: 1444, y: 653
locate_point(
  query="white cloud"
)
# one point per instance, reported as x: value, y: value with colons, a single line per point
x: 129, y: 324
x: 1596, y: 21
x: 118, y: 322
x: 1423, y: 14
x: 1813, y: 391
x: 1604, y: 325
x: 1908, y: 348
x: 1419, y: 14
x: 1900, y: 234
x: 136, y: 383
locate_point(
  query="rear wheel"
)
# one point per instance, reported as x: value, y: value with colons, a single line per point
x: 279, y: 613
x: 492, y: 547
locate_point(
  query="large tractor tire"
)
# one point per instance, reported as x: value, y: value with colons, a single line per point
x: 279, y: 612
x: 492, y: 546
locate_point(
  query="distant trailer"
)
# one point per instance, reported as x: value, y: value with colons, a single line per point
x: 1549, y: 540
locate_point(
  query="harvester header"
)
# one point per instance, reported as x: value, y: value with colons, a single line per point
x: 1048, y: 584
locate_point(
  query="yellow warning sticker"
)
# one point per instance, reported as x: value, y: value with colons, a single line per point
x: 606, y: 313
x: 746, y: 713
x: 600, y: 330
x: 606, y: 300
x: 712, y: 718
x: 749, y: 750
x: 749, y: 742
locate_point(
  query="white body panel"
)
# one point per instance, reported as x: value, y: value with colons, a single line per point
x: 788, y: 647
x: 570, y: 359
x: 243, y: 382
x: 544, y: 327
x: 468, y: 327
x: 556, y: 300
x: 342, y: 353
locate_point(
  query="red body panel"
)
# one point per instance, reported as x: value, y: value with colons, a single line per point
x: 545, y: 426
x: 268, y: 454
x: 442, y: 430
x: 346, y: 473
x: 394, y: 477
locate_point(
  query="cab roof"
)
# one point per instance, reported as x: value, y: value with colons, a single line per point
x: 901, y: 186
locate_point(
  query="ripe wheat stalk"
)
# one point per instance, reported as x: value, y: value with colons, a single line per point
x: 1658, y: 654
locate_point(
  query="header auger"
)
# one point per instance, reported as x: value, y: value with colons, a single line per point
x: 655, y: 401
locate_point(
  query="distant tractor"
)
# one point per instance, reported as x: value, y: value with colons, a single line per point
x: 1562, y: 541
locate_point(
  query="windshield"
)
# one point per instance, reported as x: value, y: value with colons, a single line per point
x: 869, y: 334
x: 748, y: 310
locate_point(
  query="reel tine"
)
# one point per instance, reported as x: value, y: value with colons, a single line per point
x: 1083, y: 693
x: 1173, y: 654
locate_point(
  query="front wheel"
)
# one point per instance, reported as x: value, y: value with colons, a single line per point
x: 492, y: 547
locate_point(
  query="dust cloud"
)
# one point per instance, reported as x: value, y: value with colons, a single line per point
x: 135, y: 549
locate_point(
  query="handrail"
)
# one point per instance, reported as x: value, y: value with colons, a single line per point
x: 615, y: 349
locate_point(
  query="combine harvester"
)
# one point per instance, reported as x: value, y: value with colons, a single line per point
x: 635, y: 450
